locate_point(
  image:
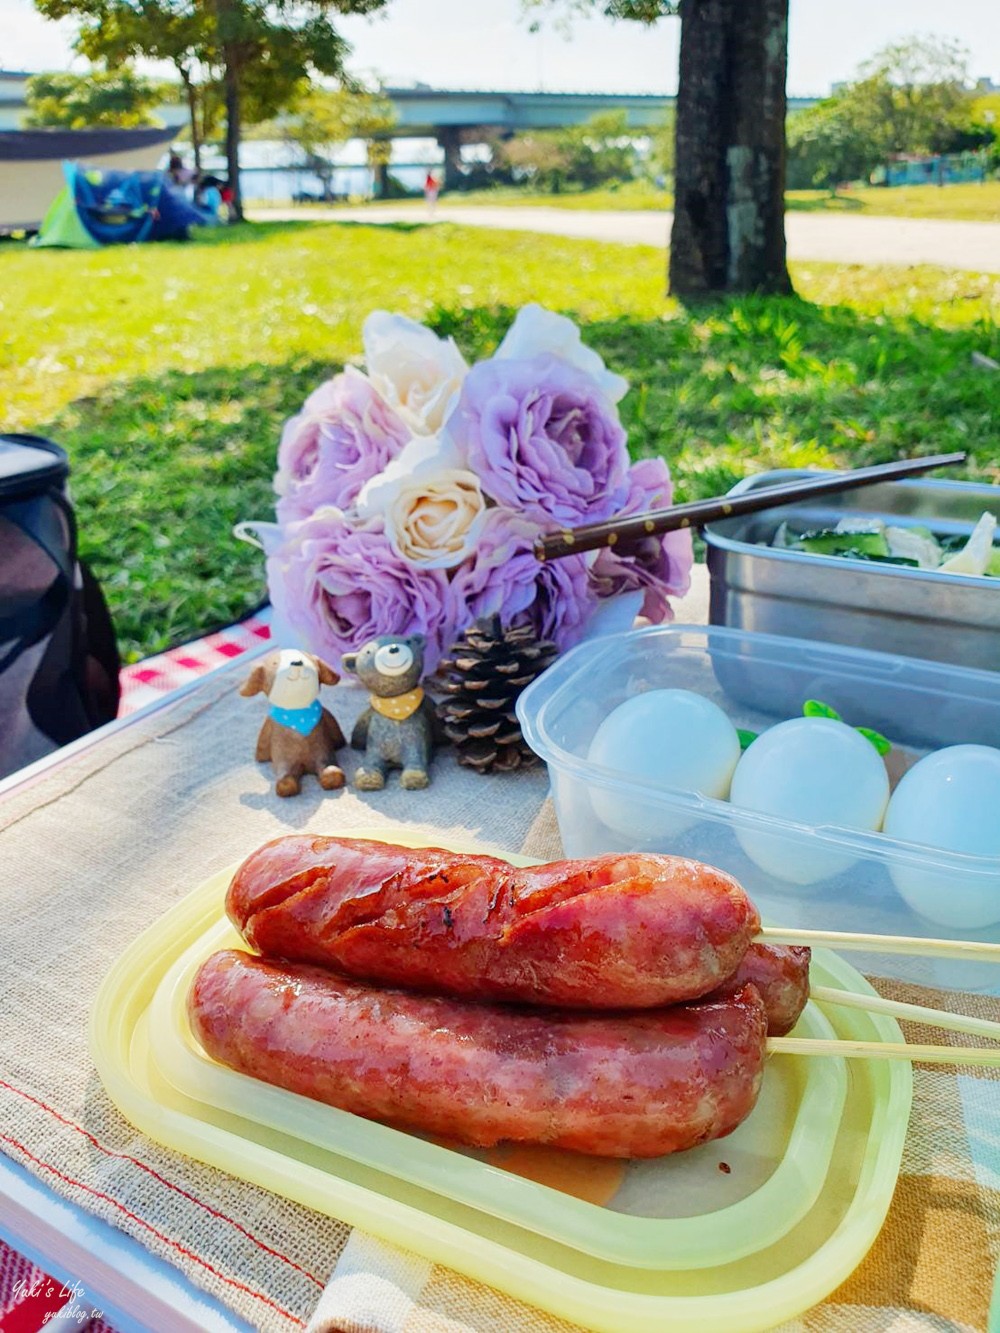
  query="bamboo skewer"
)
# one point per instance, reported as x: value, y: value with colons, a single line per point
x: 969, y: 951
x: 631, y: 528
x: 885, y: 1050
x: 913, y: 1013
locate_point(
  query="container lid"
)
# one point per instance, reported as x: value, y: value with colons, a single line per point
x: 29, y: 465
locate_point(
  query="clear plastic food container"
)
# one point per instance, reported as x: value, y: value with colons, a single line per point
x: 823, y: 878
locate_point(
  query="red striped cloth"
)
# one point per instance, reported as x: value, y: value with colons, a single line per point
x: 30, y: 1299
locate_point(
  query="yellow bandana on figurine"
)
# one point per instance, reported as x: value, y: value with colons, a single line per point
x: 298, y: 735
x: 397, y: 729
x: 400, y: 707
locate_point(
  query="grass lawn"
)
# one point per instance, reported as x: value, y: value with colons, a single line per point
x: 970, y: 203
x: 167, y: 370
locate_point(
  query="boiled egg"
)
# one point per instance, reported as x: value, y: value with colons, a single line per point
x: 950, y: 801
x: 814, y: 771
x: 666, y: 738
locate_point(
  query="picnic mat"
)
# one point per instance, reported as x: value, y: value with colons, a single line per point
x: 148, y: 681
x: 98, y: 848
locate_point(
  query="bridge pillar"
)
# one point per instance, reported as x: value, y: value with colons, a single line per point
x: 449, y: 138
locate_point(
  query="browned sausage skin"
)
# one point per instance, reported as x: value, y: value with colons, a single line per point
x: 619, y: 931
x: 780, y: 973
x: 635, y: 1085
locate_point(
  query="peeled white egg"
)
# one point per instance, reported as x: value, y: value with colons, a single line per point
x: 950, y: 801
x: 815, y: 771
x: 670, y: 738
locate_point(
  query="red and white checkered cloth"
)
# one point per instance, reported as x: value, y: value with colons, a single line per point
x: 31, y: 1300
x: 150, y: 680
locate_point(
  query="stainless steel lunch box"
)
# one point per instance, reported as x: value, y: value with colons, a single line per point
x: 893, y: 609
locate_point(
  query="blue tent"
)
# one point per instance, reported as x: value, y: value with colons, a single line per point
x: 116, y: 208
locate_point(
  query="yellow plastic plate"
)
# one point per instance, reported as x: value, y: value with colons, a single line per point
x: 351, y: 1168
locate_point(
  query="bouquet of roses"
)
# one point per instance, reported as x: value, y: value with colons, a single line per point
x: 410, y: 497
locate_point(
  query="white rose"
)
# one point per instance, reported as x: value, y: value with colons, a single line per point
x: 537, y: 332
x: 415, y: 371
x: 436, y: 523
x: 433, y: 508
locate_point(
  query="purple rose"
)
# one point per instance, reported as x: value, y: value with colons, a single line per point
x: 659, y: 566
x: 504, y: 577
x: 344, y: 435
x: 338, y: 584
x: 543, y: 438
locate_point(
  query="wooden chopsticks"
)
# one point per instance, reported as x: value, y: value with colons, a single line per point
x: 967, y: 951
x: 982, y: 1056
x: 963, y: 950
x: 628, y: 529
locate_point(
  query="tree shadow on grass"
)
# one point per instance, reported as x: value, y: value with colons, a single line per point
x: 252, y: 233
x: 825, y: 203
x: 360, y: 225
x: 164, y: 465
x: 249, y: 233
x: 737, y: 386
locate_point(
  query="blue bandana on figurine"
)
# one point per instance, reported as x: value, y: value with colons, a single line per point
x: 299, y: 735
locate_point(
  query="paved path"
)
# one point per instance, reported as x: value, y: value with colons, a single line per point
x: 847, y: 240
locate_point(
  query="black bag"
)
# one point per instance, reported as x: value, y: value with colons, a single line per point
x: 59, y: 661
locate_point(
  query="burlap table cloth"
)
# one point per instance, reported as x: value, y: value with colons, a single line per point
x: 101, y: 846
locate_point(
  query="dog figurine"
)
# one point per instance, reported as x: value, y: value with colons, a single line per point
x: 397, y: 730
x: 299, y: 735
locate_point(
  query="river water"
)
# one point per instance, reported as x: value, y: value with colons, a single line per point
x: 269, y: 170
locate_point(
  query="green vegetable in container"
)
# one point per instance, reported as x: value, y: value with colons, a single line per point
x: 830, y: 542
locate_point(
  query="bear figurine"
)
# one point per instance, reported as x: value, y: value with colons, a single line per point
x: 398, y: 729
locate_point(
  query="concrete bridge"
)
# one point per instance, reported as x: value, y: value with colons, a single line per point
x: 454, y: 117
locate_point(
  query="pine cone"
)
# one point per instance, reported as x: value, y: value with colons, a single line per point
x: 488, y: 668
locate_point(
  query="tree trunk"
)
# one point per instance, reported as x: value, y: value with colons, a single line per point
x: 729, y: 196
x: 450, y: 139
x: 192, y: 101
x: 234, y: 130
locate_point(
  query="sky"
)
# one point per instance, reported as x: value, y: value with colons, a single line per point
x: 488, y: 44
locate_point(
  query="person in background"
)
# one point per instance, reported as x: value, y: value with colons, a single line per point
x: 208, y: 199
x: 226, y: 190
x: 431, y: 189
x: 181, y: 176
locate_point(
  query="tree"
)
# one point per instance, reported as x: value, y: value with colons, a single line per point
x: 661, y: 147
x: 729, y: 185
x: 729, y: 229
x: 264, y: 50
x: 270, y: 51
x: 588, y: 155
x: 538, y: 157
x: 119, y: 30
x: 601, y: 150
x: 324, y: 118
x: 911, y: 97
x: 826, y: 147
x: 78, y: 101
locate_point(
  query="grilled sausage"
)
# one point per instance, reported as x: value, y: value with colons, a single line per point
x: 612, y: 932
x: 633, y: 1085
x: 780, y: 973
